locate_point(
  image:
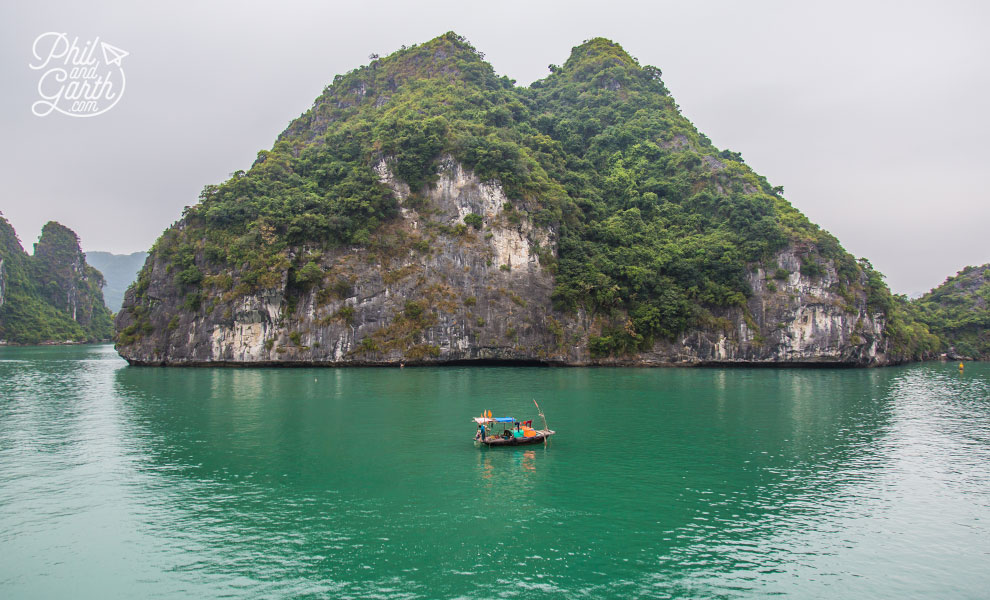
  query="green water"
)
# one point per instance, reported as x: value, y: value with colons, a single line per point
x: 122, y: 482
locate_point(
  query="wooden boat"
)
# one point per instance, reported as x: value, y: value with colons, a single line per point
x: 506, y: 431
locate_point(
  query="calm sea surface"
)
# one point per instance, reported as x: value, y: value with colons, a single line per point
x: 126, y: 482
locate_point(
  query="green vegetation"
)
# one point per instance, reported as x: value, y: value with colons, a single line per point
x: 50, y: 296
x: 656, y: 226
x: 474, y: 220
x: 958, y: 311
x: 413, y: 310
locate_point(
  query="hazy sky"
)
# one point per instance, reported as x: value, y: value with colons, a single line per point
x: 872, y: 115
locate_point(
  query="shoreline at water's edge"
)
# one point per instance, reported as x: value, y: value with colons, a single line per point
x: 54, y: 343
x: 522, y: 363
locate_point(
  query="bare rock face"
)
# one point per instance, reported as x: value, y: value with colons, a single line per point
x: 465, y: 294
x: 456, y: 292
x: 65, y: 265
x: 792, y: 320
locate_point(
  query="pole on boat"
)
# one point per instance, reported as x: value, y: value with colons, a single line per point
x: 544, y: 417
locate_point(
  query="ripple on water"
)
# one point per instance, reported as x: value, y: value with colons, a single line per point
x: 677, y: 483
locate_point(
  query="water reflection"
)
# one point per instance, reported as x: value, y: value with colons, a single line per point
x: 507, y: 465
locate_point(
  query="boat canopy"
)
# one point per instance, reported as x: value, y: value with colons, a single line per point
x: 483, y: 420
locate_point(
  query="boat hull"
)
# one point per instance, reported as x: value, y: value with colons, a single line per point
x: 520, y: 441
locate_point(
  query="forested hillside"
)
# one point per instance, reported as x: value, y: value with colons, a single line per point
x: 52, y: 296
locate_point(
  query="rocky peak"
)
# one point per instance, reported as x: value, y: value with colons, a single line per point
x: 601, y: 51
x: 53, y: 295
x: 59, y: 246
x: 447, y: 53
x: 602, y: 63
x: 66, y: 278
x: 9, y: 243
x: 448, y: 59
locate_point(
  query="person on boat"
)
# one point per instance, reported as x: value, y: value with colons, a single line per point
x: 481, y: 433
x: 506, y: 434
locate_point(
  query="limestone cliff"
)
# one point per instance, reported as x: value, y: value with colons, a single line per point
x: 425, y: 210
x: 70, y: 283
x: 469, y: 295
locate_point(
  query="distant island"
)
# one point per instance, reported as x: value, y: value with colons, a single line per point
x: 52, y: 296
x: 119, y: 271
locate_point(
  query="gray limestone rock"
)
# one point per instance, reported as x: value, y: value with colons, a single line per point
x: 456, y: 293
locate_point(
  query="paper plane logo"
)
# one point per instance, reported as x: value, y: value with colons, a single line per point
x: 74, y: 81
x: 112, y: 54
